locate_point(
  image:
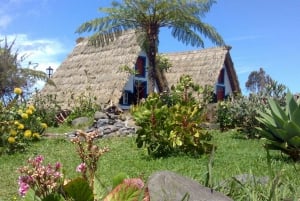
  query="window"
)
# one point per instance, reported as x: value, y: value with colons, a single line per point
x: 221, y: 76
x: 140, y: 66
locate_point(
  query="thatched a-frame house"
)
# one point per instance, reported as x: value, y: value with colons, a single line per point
x: 212, y: 67
x: 98, y: 71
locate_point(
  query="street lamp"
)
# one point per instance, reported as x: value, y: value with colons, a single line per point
x: 49, y: 71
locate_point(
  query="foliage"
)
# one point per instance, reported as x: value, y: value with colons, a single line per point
x: 241, y: 111
x: 19, y: 125
x: 12, y: 74
x: 89, y: 154
x: 171, y: 123
x: 282, y: 127
x: 147, y: 17
x: 82, y: 105
x: 237, y: 154
x: 129, y: 190
x: 257, y: 81
x: 46, y: 108
x: 44, y: 180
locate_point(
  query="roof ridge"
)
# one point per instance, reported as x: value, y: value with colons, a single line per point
x: 227, y: 48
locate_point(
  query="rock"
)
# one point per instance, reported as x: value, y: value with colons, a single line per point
x: 100, y: 115
x: 166, y: 185
x: 80, y: 121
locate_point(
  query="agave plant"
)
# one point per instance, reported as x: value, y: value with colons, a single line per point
x: 281, y: 126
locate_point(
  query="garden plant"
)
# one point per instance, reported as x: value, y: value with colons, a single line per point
x: 171, y: 123
x: 281, y: 127
x: 19, y: 124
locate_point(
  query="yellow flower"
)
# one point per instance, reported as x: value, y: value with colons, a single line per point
x: 36, y: 135
x: 27, y: 134
x: 44, y: 125
x: 20, y: 112
x: 20, y: 126
x: 31, y: 107
x: 13, y: 132
x: 16, y: 123
x: 29, y: 111
x: 24, y: 116
x: 11, y: 140
x: 18, y: 91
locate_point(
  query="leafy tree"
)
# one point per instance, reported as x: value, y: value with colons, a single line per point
x: 257, y: 81
x: 13, y: 75
x: 183, y: 17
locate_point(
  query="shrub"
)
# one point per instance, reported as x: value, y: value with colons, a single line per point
x: 82, y: 105
x: 170, y: 123
x: 241, y: 111
x: 47, y: 108
x: 19, y: 125
x: 282, y: 127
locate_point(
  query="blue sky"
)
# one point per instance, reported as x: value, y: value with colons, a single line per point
x: 262, y: 33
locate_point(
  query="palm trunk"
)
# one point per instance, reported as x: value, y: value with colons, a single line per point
x: 151, y: 50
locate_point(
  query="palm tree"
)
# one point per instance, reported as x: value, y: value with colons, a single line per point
x: 183, y: 17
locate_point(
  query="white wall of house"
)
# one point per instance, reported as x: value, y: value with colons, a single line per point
x: 228, y: 89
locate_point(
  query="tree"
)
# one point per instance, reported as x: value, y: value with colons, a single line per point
x: 183, y: 17
x: 257, y: 81
x: 260, y: 83
x: 13, y: 75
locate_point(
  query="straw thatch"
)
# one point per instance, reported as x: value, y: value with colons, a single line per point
x: 95, y: 70
x: 203, y: 66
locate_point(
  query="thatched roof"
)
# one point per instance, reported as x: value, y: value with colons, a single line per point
x: 95, y: 70
x: 202, y: 65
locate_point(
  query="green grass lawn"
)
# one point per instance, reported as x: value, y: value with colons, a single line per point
x: 234, y: 156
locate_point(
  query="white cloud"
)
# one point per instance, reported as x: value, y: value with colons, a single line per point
x: 44, y: 52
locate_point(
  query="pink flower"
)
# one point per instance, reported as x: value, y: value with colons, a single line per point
x: 23, y: 186
x: 39, y: 159
x: 57, y: 166
x: 81, y: 167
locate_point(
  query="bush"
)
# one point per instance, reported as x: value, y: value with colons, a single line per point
x: 47, y: 108
x: 170, y: 123
x: 240, y: 112
x: 19, y: 125
x: 82, y: 105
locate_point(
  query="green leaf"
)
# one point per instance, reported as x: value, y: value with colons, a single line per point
x: 291, y: 104
x: 78, y: 189
x: 117, y: 179
x: 54, y: 197
x: 277, y: 110
x: 30, y: 196
x: 295, y: 141
x: 292, y: 130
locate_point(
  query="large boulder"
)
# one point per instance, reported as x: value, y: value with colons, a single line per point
x: 166, y: 185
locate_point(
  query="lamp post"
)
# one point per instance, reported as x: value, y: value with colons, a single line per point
x: 49, y: 71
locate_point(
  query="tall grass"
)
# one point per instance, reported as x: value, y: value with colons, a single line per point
x: 233, y: 156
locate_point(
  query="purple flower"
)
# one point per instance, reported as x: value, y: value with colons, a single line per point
x: 39, y: 159
x: 81, y: 167
x: 57, y: 166
x: 23, y: 186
